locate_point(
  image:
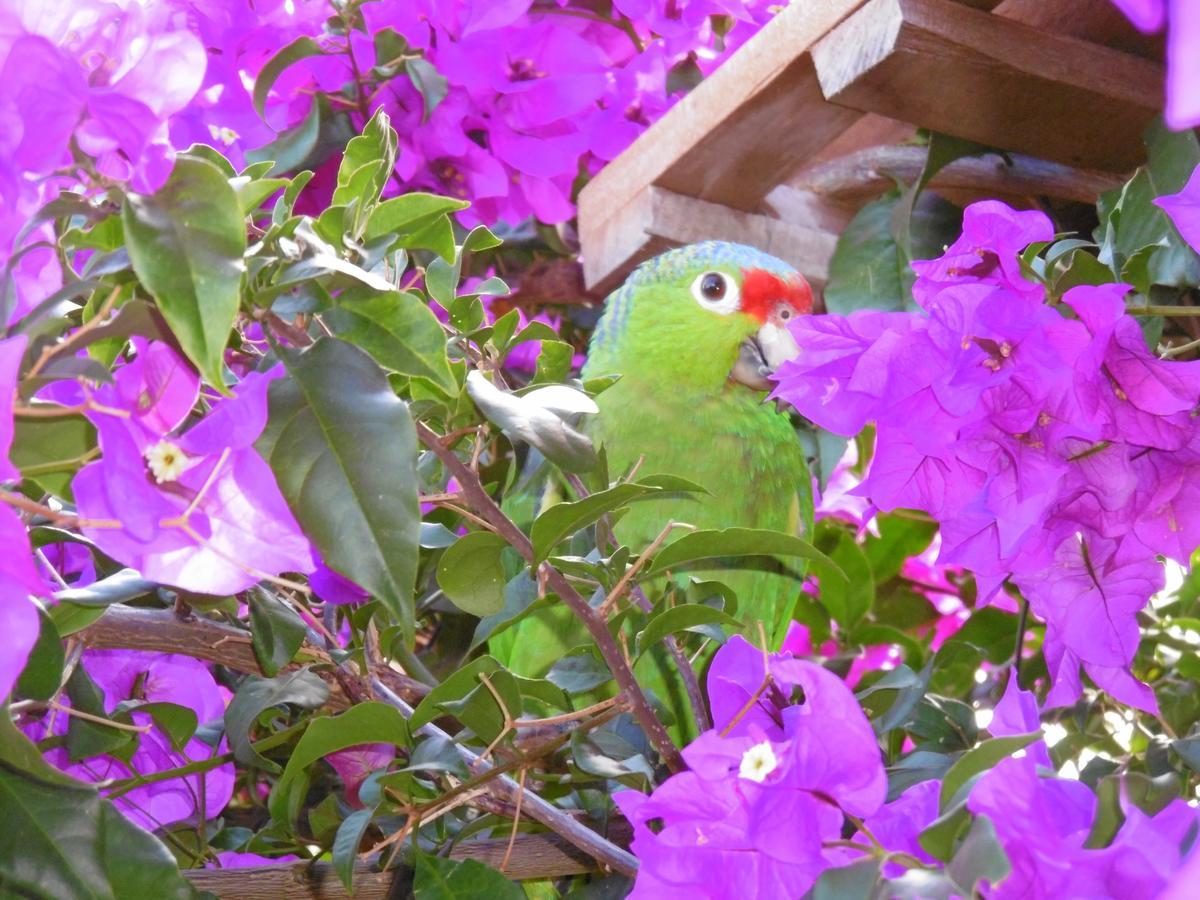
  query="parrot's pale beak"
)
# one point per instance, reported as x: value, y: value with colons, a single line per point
x: 761, y: 354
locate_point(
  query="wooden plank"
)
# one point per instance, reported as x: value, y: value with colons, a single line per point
x: 858, y: 177
x: 660, y: 219
x: 954, y: 69
x: 739, y: 133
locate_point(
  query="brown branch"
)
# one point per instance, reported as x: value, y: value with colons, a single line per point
x: 505, y: 788
x: 161, y: 631
x: 534, y: 856
x: 486, y: 507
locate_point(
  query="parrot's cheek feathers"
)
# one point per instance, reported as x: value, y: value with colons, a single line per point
x: 761, y: 354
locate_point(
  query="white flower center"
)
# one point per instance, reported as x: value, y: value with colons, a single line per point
x: 166, y: 461
x: 758, y: 762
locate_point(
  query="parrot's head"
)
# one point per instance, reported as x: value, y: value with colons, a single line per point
x: 702, y: 316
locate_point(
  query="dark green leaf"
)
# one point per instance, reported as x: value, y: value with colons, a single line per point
x: 410, y: 213
x: 979, y: 759
x: 428, y: 81
x: 90, y: 737
x: 344, y: 450
x: 445, y: 879
x: 687, y: 617
x: 255, y: 695
x: 738, y: 542
x: 398, y: 330
x: 301, y: 48
x: 345, y: 844
x: 43, y: 671
x: 127, y: 584
x: 979, y: 858
x: 471, y: 573
x: 455, y: 687
x: 372, y: 152
x: 579, y: 672
x: 918, y: 766
x: 869, y: 270
x: 370, y: 722
x: 564, y: 519
x: 64, y: 841
x: 293, y: 146
x: 186, y: 243
x: 50, y: 451
x: 847, y: 600
x: 277, y: 631
x: 853, y: 882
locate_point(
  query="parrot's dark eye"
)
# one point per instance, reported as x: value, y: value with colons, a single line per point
x: 716, y: 291
x: 712, y: 286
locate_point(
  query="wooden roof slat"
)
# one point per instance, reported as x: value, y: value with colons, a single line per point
x: 863, y: 175
x: 948, y: 67
x: 660, y: 219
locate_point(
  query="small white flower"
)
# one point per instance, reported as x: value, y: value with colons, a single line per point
x: 167, y: 462
x: 758, y: 762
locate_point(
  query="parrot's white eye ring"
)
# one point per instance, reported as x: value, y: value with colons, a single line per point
x: 717, y: 291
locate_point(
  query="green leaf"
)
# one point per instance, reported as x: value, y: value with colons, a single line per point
x: 410, y: 214
x: 126, y: 584
x: 373, y: 151
x: 737, y: 542
x: 186, y: 243
x: 49, y: 451
x: 255, y: 695
x: 345, y: 844
x: 869, y: 270
x: 847, y: 600
x: 70, y: 618
x: 553, y: 362
x: 398, y: 330
x: 276, y: 630
x: 252, y: 193
x: 687, y: 617
x: 455, y: 687
x: 979, y: 759
x: 86, y: 737
x: 43, y: 671
x: 370, y: 722
x: 980, y: 857
x: 177, y: 722
x: 918, y: 766
x: 445, y: 879
x: 564, y: 519
x: 293, y: 146
x: 579, y: 672
x: 432, y: 86
x: 63, y: 840
x: 853, y: 882
x: 471, y: 573
x: 301, y: 48
x: 344, y: 449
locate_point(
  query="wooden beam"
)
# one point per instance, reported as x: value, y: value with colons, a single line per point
x: 958, y: 70
x: 755, y: 120
x: 659, y: 219
x: 858, y: 177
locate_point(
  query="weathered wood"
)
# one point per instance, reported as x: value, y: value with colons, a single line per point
x: 860, y: 176
x: 660, y: 219
x: 954, y: 69
x: 731, y: 140
x: 533, y: 856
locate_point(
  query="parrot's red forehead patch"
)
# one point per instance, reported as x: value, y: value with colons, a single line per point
x: 763, y: 291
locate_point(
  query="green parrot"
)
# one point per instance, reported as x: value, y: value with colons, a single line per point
x: 693, y: 334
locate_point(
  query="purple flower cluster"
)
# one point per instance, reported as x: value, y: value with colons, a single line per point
x: 761, y: 810
x: 1053, y: 447
x: 128, y: 675
x: 766, y: 790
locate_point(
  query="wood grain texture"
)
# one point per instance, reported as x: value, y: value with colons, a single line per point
x: 533, y: 856
x: 860, y: 176
x: 950, y: 68
x: 660, y: 219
